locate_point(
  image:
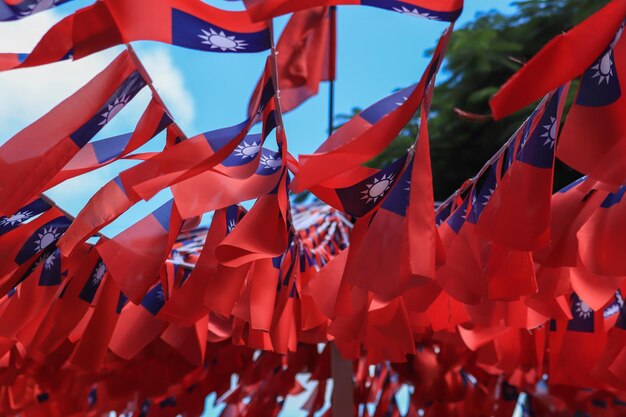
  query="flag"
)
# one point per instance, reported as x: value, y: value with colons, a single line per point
x: 30, y: 159
x: 109, y: 202
x: 448, y: 10
x: 576, y: 345
x: 564, y: 58
x: 19, y: 9
x: 187, y: 23
x: 29, y: 211
x: 23, y: 245
x: 105, y: 151
x: 226, y: 191
x: 593, y: 140
x: 368, y: 133
x: 518, y: 213
x: 359, y: 198
x: 135, y: 257
x: 203, y: 152
x: 261, y: 234
x: 601, y: 242
x: 305, y: 56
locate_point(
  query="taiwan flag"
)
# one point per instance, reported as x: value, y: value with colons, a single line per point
x: 594, y: 136
x: 359, y: 198
x: 446, y: 10
x: 564, y: 58
x: 379, y: 262
x: 135, y: 257
x: 19, y: 9
x: 188, y: 23
x: 518, y: 213
x: 368, y: 133
x: 601, y: 240
x: 226, y: 190
x: 575, y: 346
x: 205, y: 151
x: 102, y: 152
x: 25, y: 244
x: 30, y: 160
x: 306, y: 55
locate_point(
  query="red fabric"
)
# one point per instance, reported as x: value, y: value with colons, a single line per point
x: 304, y: 57
x: 30, y: 159
x: 567, y: 55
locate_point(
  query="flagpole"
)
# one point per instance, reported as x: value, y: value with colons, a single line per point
x: 332, y: 64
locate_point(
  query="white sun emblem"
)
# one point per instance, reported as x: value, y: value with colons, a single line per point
x: 39, y: 6
x: 220, y: 40
x: 247, y: 150
x: 231, y: 225
x: 415, y: 12
x: 603, y: 69
x: 583, y: 310
x: 49, y: 262
x: 377, y: 188
x: 114, y: 109
x: 550, y: 133
x: 619, y: 299
x: 98, y: 273
x: 46, y: 237
x: 18, y: 217
x: 269, y: 161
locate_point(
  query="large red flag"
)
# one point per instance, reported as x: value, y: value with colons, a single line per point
x: 594, y: 137
x: 518, y: 213
x: 444, y: 10
x: 564, y: 58
x: 187, y: 23
x: 30, y: 159
x: 305, y: 56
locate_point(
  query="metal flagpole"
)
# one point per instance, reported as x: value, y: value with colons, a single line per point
x: 331, y: 70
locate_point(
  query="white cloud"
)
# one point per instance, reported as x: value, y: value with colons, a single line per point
x: 170, y: 83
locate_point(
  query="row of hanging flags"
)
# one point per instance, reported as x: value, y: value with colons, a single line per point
x: 506, y: 295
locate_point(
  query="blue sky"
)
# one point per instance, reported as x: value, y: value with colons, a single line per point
x: 378, y: 51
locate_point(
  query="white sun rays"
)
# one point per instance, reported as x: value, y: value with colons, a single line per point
x: 222, y: 41
x: 550, y: 133
x: 46, y: 237
x: 415, y: 12
x: 19, y: 217
x: 377, y: 188
x: 248, y: 150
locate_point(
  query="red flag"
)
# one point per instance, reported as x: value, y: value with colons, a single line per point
x: 229, y: 146
x: 517, y: 215
x: 446, y: 10
x: 187, y: 23
x: 594, y: 138
x: 564, y: 58
x: 601, y: 239
x: 105, y: 151
x: 135, y: 257
x: 305, y: 56
x: 30, y: 159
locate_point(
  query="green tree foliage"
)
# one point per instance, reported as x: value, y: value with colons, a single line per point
x: 480, y: 58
